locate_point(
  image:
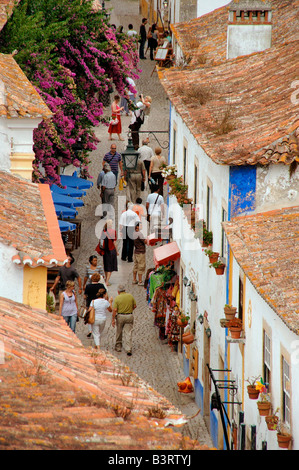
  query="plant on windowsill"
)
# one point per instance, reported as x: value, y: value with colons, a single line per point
x: 219, y: 267
x: 235, y: 327
x: 213, y: 255
x: 283, y: 436
x: 272, y: 421
x: 253, y: 392
x: 169, y: 171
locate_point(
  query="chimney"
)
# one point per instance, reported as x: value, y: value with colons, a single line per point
x: 249, y: 27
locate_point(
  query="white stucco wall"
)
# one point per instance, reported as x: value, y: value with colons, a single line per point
x: 275, y: 188
x: 4, y: 145
x: 258, y: 316
x: 210, y: 288
x: 246, y: 39
x: 206, y: 6
x: 11, y: 276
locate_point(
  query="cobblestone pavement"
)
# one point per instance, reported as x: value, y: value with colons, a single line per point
x: 152, y: 360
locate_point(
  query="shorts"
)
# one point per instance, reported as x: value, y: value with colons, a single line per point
x: 139, y: 263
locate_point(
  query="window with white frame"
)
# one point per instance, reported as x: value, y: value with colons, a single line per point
x: 286, y: 399
x: 267, y: 359
x: 174, y: 137
x: 208, y: 206
x: 223, y: 235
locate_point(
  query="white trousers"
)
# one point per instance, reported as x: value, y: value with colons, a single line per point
x: 97, y: 328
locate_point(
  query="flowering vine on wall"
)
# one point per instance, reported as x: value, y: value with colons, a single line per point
x: 74, y: 59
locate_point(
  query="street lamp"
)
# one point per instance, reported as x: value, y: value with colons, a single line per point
x: 130, y: 157
x: 165, y: 3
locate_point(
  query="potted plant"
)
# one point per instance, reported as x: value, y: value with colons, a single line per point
x: 169, y: 171
x: 283, y: 436
x: 253, y: 392
x: 235, y: 327
x: 219, y: 267
x: 213, y: 255
x: 182, y: 320
x: 188, y: 337
x: 229, y: 311
x: 272, y: 421
x: 207, y: 238
x: 264, y: 403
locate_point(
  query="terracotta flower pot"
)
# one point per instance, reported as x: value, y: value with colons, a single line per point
x: 235, y: 331
x: 181, y: 323
x: 220, y: 270
x: 253, y: 393
x: 272, y: 422
x: 284, y: 440
x: 230, y: 312
x: 213, y: 257
x: 188, y: 338
x: 264, y: 408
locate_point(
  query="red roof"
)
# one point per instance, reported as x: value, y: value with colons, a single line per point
x: 56, y: 394
x: 29, y: 222
x: 165, y: 253
x: 266, y: 246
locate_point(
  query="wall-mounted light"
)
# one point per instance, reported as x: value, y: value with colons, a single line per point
x: 192, y: 296
x: 165, y: 3
x: 186, y: 281
x: 200, y: 318
x: 208, y: 332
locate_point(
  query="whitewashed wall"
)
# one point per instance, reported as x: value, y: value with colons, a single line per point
x: 11, y: 276
x: 5, y: 143
x: 210, y: 288
x: 258, y: 315
x: 275, y: 188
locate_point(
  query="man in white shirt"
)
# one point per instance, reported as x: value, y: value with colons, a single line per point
x: 127, y: 223
x: 155, y: 208
x: 146, y: 154
x: 108, y: 185
x: 131, y: 32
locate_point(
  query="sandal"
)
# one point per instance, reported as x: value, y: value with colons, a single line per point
x: 134, y: 282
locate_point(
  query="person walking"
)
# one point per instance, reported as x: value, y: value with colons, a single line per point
x: 155, y: 171
x: 155, y: 208
x: 152, y: 40
x: 115, y: 124
x: 146, y: 153
x: 91, y: 268
x: 138, y: 116
x: 68, y: 305
x: 108, y: 186
x: 110, y: 250
x: 113, y: 158
x: 67, y: 272
x: 130, y: 95
x: 139, y: 256
x: 101, y: 306
x: 122, y: 317
x: 134, y: 180
x: 95, y: 283
x: 127, y: 222
x: 143, y: 37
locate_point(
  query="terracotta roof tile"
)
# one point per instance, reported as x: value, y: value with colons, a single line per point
x: 203, y: 39
x: 55, y: 394
x: 266, y: 246
x: 31, y: 227
x: 18, y: 97
x: 247, y: 115
x: 6, y: 9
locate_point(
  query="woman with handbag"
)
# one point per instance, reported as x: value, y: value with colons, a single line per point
x: 101, y: 306
x: 115, y: 123
x: 90, y: 292
x: 68, y: 306
x: 155, y: 171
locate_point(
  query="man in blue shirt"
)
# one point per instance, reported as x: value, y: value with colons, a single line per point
x: 113, y: 158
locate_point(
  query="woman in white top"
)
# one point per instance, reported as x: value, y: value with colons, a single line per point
x: 101, y: 306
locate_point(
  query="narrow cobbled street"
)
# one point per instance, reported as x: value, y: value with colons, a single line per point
x: 152, y: 359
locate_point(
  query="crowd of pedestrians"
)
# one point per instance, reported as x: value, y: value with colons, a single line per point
x: 137, y: 219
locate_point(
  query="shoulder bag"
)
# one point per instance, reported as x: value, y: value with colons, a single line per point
x: 90, y: 316
x: 148, y: 217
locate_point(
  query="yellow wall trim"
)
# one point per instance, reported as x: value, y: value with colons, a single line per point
x: 21, y: 164
x: 35, y: 287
